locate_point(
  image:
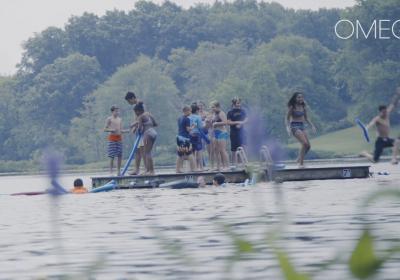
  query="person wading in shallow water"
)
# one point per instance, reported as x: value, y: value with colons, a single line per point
x: 296, y: 120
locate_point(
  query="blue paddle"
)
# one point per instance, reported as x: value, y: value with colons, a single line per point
x: 363, y: 128
x: 132, y: 154
x: 112, y: 184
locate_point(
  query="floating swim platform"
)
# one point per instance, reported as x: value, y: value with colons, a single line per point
x: 282, y: 174
x: 333, y: 172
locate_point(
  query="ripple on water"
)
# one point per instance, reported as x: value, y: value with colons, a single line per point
x: 180, y: 234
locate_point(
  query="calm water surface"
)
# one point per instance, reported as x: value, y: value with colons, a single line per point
x: 179, y: 234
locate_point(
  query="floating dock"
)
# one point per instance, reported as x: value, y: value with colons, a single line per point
x: 239, y: 176
x: 320, y: 173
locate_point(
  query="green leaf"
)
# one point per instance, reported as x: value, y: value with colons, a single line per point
x: 288, y: 269
x: 243, y: 246
x: 363, y: 261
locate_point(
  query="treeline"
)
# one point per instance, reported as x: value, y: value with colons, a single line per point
x: 68, y: 78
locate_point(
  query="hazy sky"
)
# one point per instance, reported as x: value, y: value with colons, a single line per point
x: 20, y: 19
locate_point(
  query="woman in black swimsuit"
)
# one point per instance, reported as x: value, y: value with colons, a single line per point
x: 296, y: 119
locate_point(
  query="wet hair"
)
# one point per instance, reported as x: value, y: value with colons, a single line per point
x: 194, y: 107
x: 139, y: 108
x: 78, y: 183
x: 129, y: 95
x: 219, y: 178
x: 382, y: 107
x: 292, y: 100
x: 186, y: 108
x: 235, y: 100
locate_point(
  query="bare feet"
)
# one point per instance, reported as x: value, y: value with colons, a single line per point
x: 367, y: 156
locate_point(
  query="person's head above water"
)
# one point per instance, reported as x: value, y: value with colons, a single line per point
x: 201, y: 181
x: 78, y: 183
x: 218, y: 179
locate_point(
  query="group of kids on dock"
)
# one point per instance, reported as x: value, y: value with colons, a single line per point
x: 200, y: 131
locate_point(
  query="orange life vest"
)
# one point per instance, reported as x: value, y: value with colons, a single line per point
x: 79, y: 190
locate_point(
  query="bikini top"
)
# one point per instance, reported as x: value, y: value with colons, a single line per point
x: 297, y: 114
x: 216, y: 118
x: 147, y: 122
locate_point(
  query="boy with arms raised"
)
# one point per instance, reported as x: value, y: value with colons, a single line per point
x: 382, y: 124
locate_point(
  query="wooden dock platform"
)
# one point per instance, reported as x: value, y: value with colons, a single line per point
x: 239, y: 176
x: 148, y: 181
x: 321, y: 173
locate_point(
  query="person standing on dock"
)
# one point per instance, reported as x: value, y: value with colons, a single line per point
x: 196, y: 125
x: 236, y: 119
x: 131, y: 98
x: 146, y: 125
x: 114, y: 127
x: 382, y: 124
x: 296, y: 119
x: 220, y: 135
x: 184, y: 149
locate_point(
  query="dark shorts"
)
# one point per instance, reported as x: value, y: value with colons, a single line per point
x: 184, y: 146
x: 237, y: 139
x: 295, y: 126
x: 380, y: 144
x: 195, y: 139
x: 114, y: 149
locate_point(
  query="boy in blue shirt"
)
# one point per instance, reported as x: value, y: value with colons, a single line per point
x: 184, y: 149
x: 195, y: 138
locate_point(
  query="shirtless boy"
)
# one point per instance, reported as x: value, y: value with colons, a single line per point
x: 114, y: 127
x: 382, y: 123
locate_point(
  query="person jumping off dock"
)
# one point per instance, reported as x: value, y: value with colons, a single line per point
x: 382, y: 124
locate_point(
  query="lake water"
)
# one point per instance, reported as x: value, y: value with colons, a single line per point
x: 180, y: 234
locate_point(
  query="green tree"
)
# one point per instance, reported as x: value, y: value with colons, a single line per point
x: 147, y: 79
